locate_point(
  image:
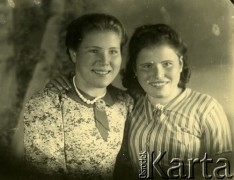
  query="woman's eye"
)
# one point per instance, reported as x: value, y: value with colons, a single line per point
x: 167, y: 64
x: 93, y: 51
x: 146, y: 66
x: 113, y: 52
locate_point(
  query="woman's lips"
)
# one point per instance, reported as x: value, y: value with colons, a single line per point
x: 158, y: 84
x: 101, y: 72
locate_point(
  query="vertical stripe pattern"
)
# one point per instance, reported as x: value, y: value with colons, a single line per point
x: 189, y: 126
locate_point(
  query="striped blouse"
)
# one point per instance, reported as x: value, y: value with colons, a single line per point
x: 187, y: 127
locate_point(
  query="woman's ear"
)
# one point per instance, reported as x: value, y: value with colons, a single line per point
x: 72, y: 55
x: 181, y: 63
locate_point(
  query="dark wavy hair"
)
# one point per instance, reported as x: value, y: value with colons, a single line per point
x: 150, y: 35
x: 87, y: 23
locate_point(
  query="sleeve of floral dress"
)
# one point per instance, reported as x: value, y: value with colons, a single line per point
x: 43, y: 136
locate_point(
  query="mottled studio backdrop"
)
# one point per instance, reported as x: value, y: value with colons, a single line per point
x: 32, y: 45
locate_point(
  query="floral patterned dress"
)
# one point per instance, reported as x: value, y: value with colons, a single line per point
x: 60, y: 135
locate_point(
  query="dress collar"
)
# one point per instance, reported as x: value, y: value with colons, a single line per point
x: 149, y: 108
x: 108, y: 98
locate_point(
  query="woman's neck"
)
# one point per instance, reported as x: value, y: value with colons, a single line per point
x: 89, y: 90
x: 164, y: 100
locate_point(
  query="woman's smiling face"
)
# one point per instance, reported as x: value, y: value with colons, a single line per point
x: 98, y: 59
x: 158, y: 71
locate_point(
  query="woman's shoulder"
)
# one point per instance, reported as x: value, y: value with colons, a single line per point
x: 43, y: 104
x: 202, y: 100
x: 202, y: 95
x: 43, y: 96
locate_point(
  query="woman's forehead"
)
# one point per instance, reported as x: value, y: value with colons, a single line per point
x: 157, y: 52
x: 101, y: 39
x: 158, y: 49
x: 95, y: 33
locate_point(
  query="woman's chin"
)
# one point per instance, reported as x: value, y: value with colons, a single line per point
x: 102, y: 84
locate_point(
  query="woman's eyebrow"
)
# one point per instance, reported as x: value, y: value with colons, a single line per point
x: 97, y: 47
x: 87, y: 47
x: 147, y: 62
x: 167, y: 60
x: 114, y: 48
x: 143, y: 63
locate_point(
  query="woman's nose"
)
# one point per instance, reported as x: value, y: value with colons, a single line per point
x: 158, y: 71
x: 104, y: 58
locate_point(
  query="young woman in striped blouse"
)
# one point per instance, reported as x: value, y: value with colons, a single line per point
x: 168, y: 118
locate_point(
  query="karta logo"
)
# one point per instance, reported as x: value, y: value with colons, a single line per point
x: 149, y: 165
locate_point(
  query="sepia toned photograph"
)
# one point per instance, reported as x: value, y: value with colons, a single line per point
x: 116, y: 90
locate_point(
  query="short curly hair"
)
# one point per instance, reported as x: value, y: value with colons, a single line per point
x: 151, y: 35
x: 87, y: 23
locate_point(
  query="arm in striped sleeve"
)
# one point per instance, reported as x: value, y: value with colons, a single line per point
x: 217, y: 133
